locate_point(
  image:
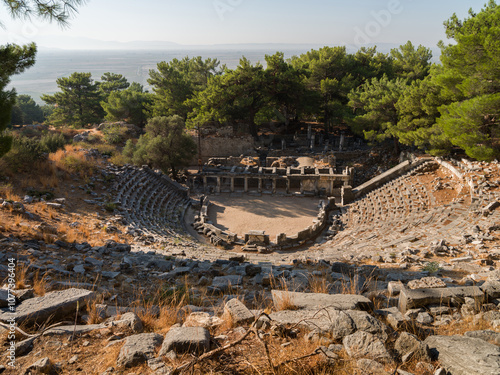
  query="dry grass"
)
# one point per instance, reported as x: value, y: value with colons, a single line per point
x: 7, y: 192
x: 73, y: 160
x: 40, y: 283
x: 284, y: 302
x: 21, y: 276
x: 93, y: 312
x: 319, y: 284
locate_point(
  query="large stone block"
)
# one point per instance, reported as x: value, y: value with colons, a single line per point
x: 465, y: 355
x: 138, y: 349
x: 313, y: 301
x: 186, y: 340
x: 239, y: 313
x: 55, y: 304
x: 409, y: 299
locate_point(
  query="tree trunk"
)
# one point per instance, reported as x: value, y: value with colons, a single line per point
x: 396, y: 146
x: 252, y: 127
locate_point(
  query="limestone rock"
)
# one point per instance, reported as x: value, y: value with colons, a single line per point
x: 238, y: 312
x: 465, y: 355
x: 365, y: 345
x: 408, y: 346
x: 317, y: 301
x: 138, y: 349
x: 412, y: 298
x: 56, y: 304
x: 202, y: 319
x: 426, y: 282
x: 186, y: 340
x: 128, y: 320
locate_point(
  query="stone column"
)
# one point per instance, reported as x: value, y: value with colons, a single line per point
x: 259, y: 189
x: 274, y: 186
x: 217, y: 189
x: 288, y: 186
x: 205, y: 187
x: 245, y: 188
x: 232, y: 184
x: 301, y: 186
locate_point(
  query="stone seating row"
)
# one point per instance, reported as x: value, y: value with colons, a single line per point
x: 151, y: 203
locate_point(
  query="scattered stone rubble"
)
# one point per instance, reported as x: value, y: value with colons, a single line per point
x: 432, y: 266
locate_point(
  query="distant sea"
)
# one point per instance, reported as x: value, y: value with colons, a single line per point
x: 134, y: 65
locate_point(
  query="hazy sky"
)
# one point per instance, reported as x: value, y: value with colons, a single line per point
x: 195, y: 22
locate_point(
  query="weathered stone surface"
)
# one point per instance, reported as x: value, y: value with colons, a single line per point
x: 225, y: 283
x: 370, y: 367
x: 487, y: 335
x: 408, y: 346
x: 77, y: 330
x: 186, y: 340
x: 4, y: 294
x: 238, y: 312
x: 317, y: 301
x: 394, y: 287
x: 138, y: 349
x: 394, y: 317
x: 56, y: 304
x: 365, y: 345
x: 411, y: 298
x: 42, y: 366
x: 366, y: 322
x: 328, y: 321
x: 426, y: 282
x: 202, y: 319
x: 128, y: 320
x: 491, y: 288
x: 464, y: 355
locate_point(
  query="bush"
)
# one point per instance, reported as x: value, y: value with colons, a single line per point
x: 115, y: 134
x: 52, y: 142
x: 24, y: 153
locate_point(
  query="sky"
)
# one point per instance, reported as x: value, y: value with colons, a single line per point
x: 209, y: 22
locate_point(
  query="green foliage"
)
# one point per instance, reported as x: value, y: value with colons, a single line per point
x: 24, y: 153
x: 112, y: 82
x: 78, y: 102
x: 165, y: 145
x: 472, y: 70
x: 14, y: 59
x: 26, y: 111
x: 177, y: 81
x: 432, y: 267
x: 411, y: 63
x: 128, y: 105
x: 52, y: 142
x: 236, y: 95
x: 114, y: 134
x: 376, y: 100
x: 59, y: 11
x: 110, y: 206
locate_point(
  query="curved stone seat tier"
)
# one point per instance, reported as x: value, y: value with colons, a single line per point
x: 401, y: 213
x: 152, y: 203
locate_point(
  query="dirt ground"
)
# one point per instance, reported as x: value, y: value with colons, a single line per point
x: 272, y: 214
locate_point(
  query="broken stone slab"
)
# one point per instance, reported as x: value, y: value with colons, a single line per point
x: 312, y: 301
x: 408, y: 347
x: 138, y: 349
x: 394, y: 317
x: 491, y: 207
x: 394, y: 287
x: 426, y: 282
x: 70, y: 330
x: 128, y: 320
x: 328, y: 321
x: 186, y: 340
x: 54, y: 304
x: 366, y: 322
x: 365, y: 345
x: 465, y: 355
x: 225, y: 283
x: 202, y: 319
x: 238, y: 312
x: 491, y: 288
x: 487, y: 335
x: 412, y: 298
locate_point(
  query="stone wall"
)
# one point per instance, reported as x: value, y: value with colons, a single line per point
x: 224, y: 146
